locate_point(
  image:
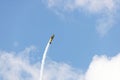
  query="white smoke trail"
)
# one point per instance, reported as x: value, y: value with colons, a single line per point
x: 43, y: 60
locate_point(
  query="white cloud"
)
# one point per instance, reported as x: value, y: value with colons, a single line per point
x: 60, y: 71
x: 106, y: 8
x: 14, y: 67
x: 17, y: 66
x: 104, y: 68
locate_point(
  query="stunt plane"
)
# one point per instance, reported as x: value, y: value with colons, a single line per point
x: 51, y: 38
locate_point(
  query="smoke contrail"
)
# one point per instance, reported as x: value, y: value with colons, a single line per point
x: 44, y: 56
x: 43, y: 61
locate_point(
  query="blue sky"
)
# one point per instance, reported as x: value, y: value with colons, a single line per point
x: 81, y: 30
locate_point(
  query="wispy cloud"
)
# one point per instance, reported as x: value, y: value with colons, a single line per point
x: 105, y: 8
x: 105, y: 24
x: 17, y: 67
x: 16, y: 44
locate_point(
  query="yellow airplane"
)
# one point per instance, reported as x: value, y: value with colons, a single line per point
x: 51, y: 38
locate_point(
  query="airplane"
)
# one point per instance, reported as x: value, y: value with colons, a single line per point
x: 51, y: 38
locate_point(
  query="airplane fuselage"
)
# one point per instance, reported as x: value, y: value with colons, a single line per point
x: 51, y: 38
